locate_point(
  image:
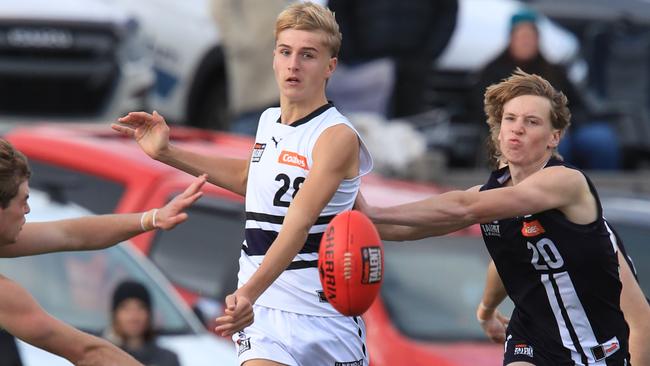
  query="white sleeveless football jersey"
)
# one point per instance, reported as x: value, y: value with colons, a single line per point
x: 281, y: 159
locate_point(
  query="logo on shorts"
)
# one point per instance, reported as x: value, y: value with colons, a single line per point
x: 371, y: 266
x: 532, y: 228
x: 292, y: 158
x: 258, y: 150
x: 349, y: 363
x: 321, y: 296
x: 523, y: 349
x: 243, y: 343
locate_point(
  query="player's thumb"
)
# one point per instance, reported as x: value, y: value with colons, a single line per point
x: 231, y: 302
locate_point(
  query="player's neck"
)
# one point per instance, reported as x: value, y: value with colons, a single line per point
x: 292, y: 111
x: 520, y: 172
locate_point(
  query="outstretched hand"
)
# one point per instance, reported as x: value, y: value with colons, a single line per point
x: 360, y: 204
x: 495, y: 327
x: 150, y: 131
x: 237, y: 315
x: 173, y: 213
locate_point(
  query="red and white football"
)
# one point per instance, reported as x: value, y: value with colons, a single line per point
x: 351, y: 263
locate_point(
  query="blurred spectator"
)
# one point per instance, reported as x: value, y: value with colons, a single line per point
x: 131, y: 325
x: 589, y: 144
x: 387, y: 54
x: 244, y: 26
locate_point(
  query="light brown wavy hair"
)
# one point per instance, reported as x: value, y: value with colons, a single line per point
x: 14, y: 170
x: 311, y: 17
x: 518, y: 84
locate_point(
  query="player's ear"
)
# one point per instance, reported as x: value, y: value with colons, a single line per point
x: 331, y: 66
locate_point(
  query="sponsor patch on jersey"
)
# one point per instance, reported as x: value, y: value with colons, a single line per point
x: 349, y: 363
x: 491, y: 229
x: 243, y: 343
x: 532, y: 228
x: 523, y: 349
x: 606, y: 349
x: 258, y: 150
x: 292, y: 158
x: 371, y: 270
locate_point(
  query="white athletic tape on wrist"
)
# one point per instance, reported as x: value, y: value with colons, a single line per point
x: 142, y: 221
x: 155, y: 211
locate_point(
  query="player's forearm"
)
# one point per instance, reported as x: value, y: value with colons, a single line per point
x: 84, y: 233
x: 84, y: 349
x: 439, y: 213
x: 231, y: 174
x: 405, y: 233
x: 493, y: 294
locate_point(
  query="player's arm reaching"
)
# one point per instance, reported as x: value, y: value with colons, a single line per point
x: 405, y: 232
x: 21, y: 316
x: 101, y: 231
x: 493, y: 323
x: 335, y: 157
x: 152, y: 134
x: 556, y: 187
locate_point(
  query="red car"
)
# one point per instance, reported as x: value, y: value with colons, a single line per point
x: 424, y: 316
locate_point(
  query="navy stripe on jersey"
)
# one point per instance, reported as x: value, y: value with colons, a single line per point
x: 259, y: 241
x: 302, y: 265
x: 277, y: 219
x: 310, y: 116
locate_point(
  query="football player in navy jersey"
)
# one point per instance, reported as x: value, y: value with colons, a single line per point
x: 542, y: 223
x: 305, y: 167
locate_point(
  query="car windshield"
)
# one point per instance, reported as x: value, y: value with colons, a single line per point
x: 208, y: 261
x: 432, y: 286
x: 76, y: 287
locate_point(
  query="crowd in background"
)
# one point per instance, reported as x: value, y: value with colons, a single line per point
x: 386, y: 64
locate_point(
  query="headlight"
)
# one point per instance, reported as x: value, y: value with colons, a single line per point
x: 135, y: 47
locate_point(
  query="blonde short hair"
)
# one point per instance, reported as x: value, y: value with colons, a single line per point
x: 311, y: 17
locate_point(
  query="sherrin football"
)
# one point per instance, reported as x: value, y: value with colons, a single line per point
x: 351, y: 263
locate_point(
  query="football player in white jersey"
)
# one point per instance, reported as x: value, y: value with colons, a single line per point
x: 305, y: 167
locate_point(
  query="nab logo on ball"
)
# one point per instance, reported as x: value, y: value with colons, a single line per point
x: 351, y: 263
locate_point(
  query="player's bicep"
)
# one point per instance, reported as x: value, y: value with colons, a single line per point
x: 545, y: 190
x: 20, y: 314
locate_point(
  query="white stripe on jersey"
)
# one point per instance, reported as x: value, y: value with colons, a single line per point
x: 612, y: 237
x: 252, y: 224
x: 577, y: 317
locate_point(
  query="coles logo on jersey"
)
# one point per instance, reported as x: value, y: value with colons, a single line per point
x: 258, y: 150
x: 532, y: 228
x: 292, y: 158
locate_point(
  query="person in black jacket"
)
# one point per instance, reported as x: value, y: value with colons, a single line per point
x: 589, y: 144
x: 132, y: 325
x: 412, y: 34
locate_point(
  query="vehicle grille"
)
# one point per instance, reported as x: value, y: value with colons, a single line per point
x: 57, y: 69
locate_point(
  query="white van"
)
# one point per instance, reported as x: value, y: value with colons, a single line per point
x: 70, y: 59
